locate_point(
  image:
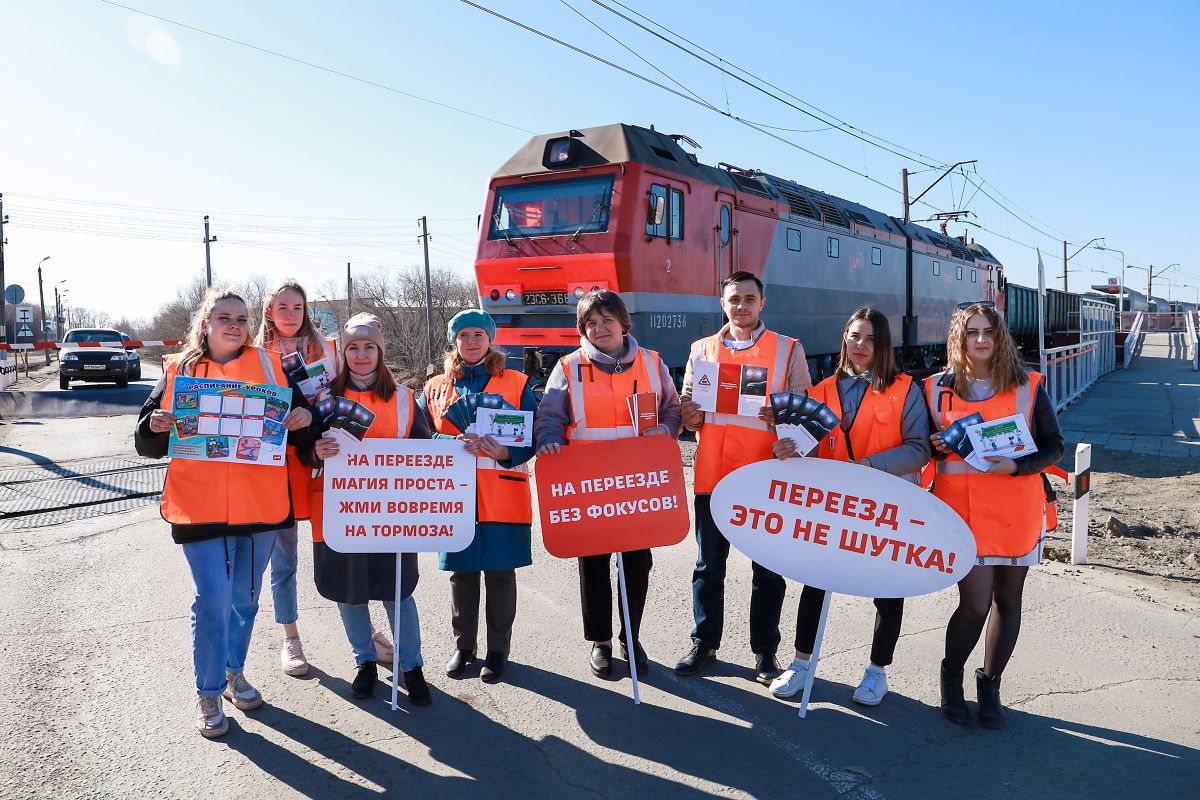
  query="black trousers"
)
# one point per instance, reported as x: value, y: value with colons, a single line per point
x: 767, y: 589
x: 889, y: 613
x: 596, y: 593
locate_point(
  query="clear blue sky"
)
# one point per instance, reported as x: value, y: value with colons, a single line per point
x: 1083, y: 118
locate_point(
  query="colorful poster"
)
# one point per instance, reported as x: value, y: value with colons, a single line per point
x: 738, y: 389
x: 230, y: 421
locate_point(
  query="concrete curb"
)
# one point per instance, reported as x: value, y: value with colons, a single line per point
x: 98, y: 402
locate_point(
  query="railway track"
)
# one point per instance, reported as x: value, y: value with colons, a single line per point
x: 52, y: 493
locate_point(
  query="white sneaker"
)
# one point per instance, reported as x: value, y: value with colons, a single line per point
x: 239, y: 692
x: 383, y: 647
x: 291, y: 657
x: 791, y: 680
x: 210, y: 719
x: 873, y: 687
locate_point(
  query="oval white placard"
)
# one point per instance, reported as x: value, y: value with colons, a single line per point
x: 843, y: 527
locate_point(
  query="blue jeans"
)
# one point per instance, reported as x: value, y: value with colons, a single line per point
x: 357, y: 621
x: 283, y: 577
x: 226, y: 583
x: 708, y: 589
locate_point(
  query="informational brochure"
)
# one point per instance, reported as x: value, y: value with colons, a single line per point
x: 311, y: 379
x: 1008, y: 437
x: 643, y: 410
x: 507, y: 426
x: 345, y: 420
x: 803, y: 419
x: 230, y: 421
x: 955, y: 437
x: 738, y: 389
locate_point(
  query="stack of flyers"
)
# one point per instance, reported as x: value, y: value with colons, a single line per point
x: 643, y: 410
x: 802, y: 419
x: 463, y: 411
x: 310, y: 379
x: 955, y: 437
x: 347, y: 420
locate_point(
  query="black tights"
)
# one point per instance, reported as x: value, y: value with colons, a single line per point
x: 997, y: 589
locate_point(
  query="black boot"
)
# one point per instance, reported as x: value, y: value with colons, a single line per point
x: 991, y: 713
x: 364, y: 682
x: 954, y: 706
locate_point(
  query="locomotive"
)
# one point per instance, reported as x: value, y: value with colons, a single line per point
x: 629, y: 209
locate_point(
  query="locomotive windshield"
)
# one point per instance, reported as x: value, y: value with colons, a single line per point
x: 551, y: 208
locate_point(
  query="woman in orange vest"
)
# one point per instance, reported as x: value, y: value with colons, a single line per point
x: 226, y: 515
x: 287, y: 328
x: 503, y: 510
x: 1004, y: 506
x: 884, y: 425
x: 585, y: 400
x: 353, y: 579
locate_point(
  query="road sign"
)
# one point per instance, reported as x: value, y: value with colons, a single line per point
x: 24, y: 315
x: 25, y: 331
x: 14, y: 293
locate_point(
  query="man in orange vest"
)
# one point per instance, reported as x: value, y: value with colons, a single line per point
x: 727, y: 442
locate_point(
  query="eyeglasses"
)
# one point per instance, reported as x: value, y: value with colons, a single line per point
x: 984, y: 303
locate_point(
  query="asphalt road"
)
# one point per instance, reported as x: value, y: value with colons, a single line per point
x: 95, y: 671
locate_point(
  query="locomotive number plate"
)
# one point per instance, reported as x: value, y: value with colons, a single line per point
x: 545, y: 298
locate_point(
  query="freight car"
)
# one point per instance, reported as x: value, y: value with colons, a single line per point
x: 629, y: 209
x: 1061, y: 319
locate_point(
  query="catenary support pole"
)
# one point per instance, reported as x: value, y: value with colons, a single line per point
x: 208, y: 240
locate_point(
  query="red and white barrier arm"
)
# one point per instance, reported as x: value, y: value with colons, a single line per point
x: 78, y: 345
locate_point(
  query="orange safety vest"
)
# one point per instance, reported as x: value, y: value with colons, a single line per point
x: 728, y: 441
x: 876, y: 425
x: 208, y: 492
x: 1005, y: 512
x: 599, y: 400
x: 299, y: 475
x: 390, y: 418
x: 502, y: 493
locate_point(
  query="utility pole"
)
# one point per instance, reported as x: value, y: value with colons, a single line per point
x: 1064, y: 265
x: 57, y: 313
x: 207, y: 254
x: 3, y: 324
x: 349, y: 293
x: 428, y: 288
x: 904, y: 191
x: 42, y: 303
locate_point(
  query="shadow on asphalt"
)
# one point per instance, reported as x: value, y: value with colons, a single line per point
x: 900, y: 749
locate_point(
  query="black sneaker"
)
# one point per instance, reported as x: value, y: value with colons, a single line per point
x: 418, y: 690
x: 365, y: 680
x: 697, y: 659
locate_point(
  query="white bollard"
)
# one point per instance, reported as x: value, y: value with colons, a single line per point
x: 1079, y: 515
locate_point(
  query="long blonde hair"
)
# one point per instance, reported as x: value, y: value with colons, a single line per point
x: 1007, y: 371
x: 196, y: 347
x: 453, y: 365
x: 268, y: 333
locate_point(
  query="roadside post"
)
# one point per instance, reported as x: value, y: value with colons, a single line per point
x: 1079, y: 510
x: 400, y: 496
x: 844, y: 528
x: 592, y: 499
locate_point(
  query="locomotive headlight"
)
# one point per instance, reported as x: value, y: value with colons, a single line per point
x: 578, y: 292
x: 495, y: 295
x: 510, y: 295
